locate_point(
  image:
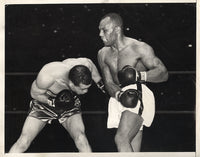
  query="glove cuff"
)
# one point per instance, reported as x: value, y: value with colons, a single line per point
x: 100, y: 83
x: 117, y: 95
x: 101, y: 86
x: 50, y: 102
x: 142, y: 76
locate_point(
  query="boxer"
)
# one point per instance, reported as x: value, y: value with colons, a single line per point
x: 55, y: 96
x: 129, y: 108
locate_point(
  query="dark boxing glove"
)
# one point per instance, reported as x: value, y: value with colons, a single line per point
x: 66, y: 100
x: 128, y: 98
x: 128, y: 75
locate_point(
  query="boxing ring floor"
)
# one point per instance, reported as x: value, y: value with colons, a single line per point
x: 173, y: 128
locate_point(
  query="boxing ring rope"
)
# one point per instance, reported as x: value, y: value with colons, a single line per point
x: 104, y: 112
x: 34, y: 73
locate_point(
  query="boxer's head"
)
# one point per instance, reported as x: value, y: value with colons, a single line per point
x: 81, y: 79
x: 111, y: 26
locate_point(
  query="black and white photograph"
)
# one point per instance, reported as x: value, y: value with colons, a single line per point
x: 100, y: 78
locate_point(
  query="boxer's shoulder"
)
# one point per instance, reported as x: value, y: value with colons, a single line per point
x: 52, y: 65
x: 104, y: 50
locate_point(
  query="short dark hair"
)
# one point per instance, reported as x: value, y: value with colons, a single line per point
x: 115, y: 18
x: 80, y: 74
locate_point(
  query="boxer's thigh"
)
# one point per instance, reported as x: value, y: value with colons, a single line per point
x: 74, y: 125
x: 32, y: 126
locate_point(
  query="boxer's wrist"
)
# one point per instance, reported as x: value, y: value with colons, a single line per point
x: 101, y: 86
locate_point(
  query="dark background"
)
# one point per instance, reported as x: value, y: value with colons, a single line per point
x: 38, y: 34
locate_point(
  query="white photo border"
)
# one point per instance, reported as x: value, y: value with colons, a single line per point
x: 141, y: 154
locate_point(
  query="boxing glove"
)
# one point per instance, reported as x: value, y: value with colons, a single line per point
x: 66, y: 100
x: 128, y: 98
x: 128, y: 75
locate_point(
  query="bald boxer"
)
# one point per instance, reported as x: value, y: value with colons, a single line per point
x: 55, y: 96
x: 126, y: 65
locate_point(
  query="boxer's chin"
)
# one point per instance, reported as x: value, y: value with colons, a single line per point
x: 106, y: 43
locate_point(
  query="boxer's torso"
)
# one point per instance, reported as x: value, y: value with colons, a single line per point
x: 128, y: 55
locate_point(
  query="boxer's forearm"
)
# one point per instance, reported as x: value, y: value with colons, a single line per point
x: 38, y: 94
x: 41, y: 98
x: 157, y: 75
x: 96, y: 77
x: 112, y: 88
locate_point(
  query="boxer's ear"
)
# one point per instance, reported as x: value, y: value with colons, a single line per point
x: 118, y: 29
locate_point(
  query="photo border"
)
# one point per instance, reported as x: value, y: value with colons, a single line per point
x: 135, y: 154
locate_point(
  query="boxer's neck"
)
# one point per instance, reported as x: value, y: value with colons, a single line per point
x: 120, y: 43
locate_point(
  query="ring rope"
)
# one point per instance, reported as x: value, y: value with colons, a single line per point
x: 101, y: 112
x: 34, y: 73
x: 104, y: 112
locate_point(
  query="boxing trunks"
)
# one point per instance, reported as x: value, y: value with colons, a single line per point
x: 115, y: 108
x: 47, y: 113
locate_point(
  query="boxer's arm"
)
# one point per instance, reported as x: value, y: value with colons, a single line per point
x: 157, y: 71
x: 95, y: 74
x: 110, y: 86
x: 39, y: 88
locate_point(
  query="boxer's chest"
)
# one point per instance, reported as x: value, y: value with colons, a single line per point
x: 117, y: 60
x: 127, y: 58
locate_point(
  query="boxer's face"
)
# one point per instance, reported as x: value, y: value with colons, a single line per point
x: 107, y: 32
x: 81, y: 89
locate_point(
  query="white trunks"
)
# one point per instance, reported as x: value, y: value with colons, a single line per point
x: 115, y: 108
